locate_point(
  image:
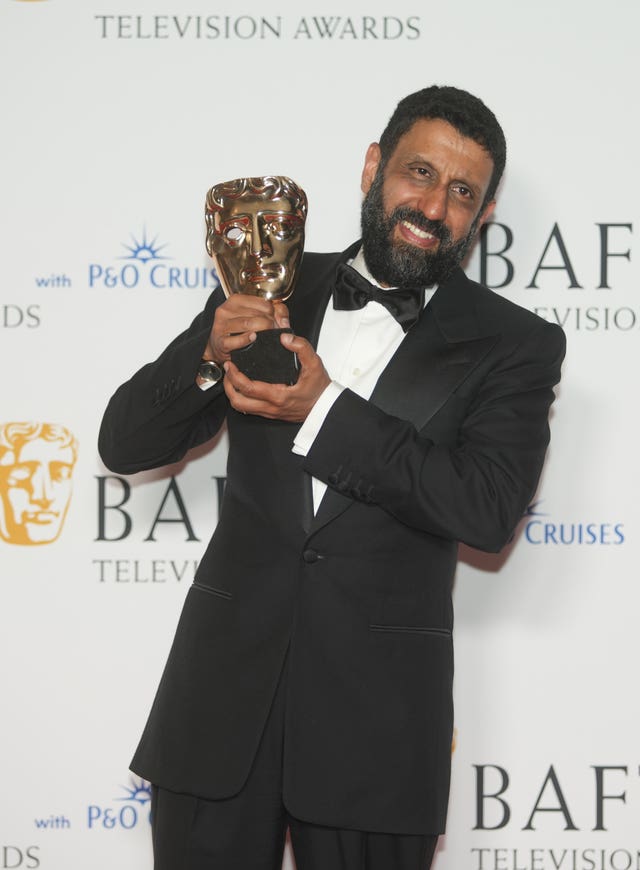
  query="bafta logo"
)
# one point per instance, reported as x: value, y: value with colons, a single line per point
x: 36, y: 468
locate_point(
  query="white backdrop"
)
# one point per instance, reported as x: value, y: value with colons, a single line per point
x: 117, y: 118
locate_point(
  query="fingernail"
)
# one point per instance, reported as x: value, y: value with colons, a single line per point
x: 285, y: 322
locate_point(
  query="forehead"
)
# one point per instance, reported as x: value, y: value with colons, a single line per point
x: 251, y: 204
x: 439, y: 143
x: 41, y: 450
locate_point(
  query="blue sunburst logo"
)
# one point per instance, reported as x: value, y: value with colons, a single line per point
x: 144, y: 249
x: 138, y: 790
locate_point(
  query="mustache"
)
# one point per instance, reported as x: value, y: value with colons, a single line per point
x: 436, y: 228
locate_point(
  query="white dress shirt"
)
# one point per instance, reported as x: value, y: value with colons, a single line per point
x: 355, y: 347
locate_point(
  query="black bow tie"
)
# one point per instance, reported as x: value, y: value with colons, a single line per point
x: 352, y: 291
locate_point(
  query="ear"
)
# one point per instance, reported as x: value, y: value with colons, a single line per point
x: 486, y: 214
x: 371, y: 163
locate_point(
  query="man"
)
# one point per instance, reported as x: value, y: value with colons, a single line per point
x: 36, y: 465
x: 309, y: 683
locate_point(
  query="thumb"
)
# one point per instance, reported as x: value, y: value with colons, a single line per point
x: 299, y: 346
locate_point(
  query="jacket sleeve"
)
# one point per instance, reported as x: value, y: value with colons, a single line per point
x: 160, y: 413
x: 475, y: 487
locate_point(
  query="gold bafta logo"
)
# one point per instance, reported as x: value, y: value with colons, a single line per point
x: 36, y: 468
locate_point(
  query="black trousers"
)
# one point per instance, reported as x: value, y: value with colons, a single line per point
x: 247, y: 831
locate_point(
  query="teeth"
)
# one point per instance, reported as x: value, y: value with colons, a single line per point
x: 422, y: 234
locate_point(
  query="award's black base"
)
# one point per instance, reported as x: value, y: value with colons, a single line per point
x: 266, y: 359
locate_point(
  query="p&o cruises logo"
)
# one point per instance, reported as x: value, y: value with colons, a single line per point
x: 541, y: 528
x: 146, y: 264
x: 123, y: 812
x: 127, y: 810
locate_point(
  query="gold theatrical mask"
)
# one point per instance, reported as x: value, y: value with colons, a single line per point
x: 255, y: 235
x: 36, y: 468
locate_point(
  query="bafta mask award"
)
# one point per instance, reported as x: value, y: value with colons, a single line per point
x: 255, y: 235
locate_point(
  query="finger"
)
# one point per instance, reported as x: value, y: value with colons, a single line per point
x: 253, y: 323
x: 244, y: 394
x: 281, y: 315
x: 234, y: 377
x: 227, y: 343
x: 259, y: 391
x: 235, y: 333
x: 232, y: 383
x: 251, y: 397
x: 240, y: 303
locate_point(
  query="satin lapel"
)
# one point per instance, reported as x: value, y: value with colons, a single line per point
x: 437, y: 354
x: 311, y: 297
x: 307, y: 313
x: 425, y: 370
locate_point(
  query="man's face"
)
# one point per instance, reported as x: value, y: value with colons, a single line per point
x: 421, y: 213
x: 257, y: 246
x: 35, y: 490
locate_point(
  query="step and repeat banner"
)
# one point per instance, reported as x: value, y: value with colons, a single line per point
x: 116, y: 120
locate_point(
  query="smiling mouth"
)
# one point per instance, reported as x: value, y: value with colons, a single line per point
x: 417, y: 236
x: 422, y: 234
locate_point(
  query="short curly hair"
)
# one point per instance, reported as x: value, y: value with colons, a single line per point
x: 466, y: 113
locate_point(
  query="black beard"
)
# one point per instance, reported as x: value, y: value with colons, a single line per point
x: 399, y: 264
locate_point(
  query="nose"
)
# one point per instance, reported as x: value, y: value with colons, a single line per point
x: 433, y: 203
x: 259, y: 239
x: 41, y: 487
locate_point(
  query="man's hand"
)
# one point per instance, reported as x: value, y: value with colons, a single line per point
x: 279, y: 401
x: 237, y: 321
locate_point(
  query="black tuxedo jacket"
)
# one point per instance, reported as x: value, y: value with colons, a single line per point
x: 449, y: 448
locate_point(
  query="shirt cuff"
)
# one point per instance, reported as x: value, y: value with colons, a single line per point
x: 316, y: 417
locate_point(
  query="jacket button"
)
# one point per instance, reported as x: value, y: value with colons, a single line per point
x: 310, y: 556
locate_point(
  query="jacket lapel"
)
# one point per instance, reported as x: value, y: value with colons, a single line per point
x: 435, y: 357
x: 441, y: 350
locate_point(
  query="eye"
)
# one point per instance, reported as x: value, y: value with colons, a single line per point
x: 233, y: 236
x: 420, y: 171
x: 60, y: 471
x: 18, y: 475
x: 463, y: 191
x: 283, y: 228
